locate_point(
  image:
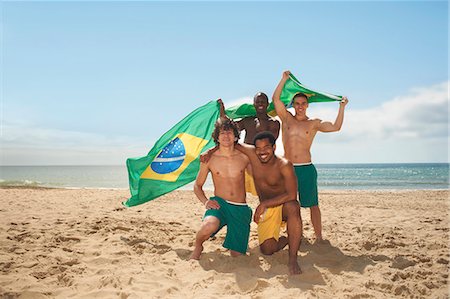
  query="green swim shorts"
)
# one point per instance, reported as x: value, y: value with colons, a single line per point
x: 237, y: 217
x: 307, y: 185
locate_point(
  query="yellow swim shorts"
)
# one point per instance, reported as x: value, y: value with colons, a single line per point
x: 270, y: 224
x: 250, y: 184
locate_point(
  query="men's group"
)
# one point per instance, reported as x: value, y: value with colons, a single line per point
x: 253, y: 166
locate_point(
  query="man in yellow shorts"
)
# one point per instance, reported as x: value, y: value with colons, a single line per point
x: 276, y: 185
x: 254, y: 125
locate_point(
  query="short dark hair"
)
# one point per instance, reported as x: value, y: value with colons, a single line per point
x: 225, y: 124
x: 261, y: 95
x: 298, y: 95
x: 264, y: 135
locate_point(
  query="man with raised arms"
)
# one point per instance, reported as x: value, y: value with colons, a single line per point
x: 261, y: 122
x: 276, y: 185
x: 256, y: 124
x: 298, y: 132
x: 228, y: 205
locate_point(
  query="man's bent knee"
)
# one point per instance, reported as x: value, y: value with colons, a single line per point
x: 291, y: 208
x: 269, y: 247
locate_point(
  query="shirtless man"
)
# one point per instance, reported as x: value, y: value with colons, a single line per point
x: 228, y: 205
x: 262, y: 122
x: 276, y: 185
x: 298, y: 134
x: 253, y: 125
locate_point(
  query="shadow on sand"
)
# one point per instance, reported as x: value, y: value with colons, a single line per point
x: 253, y: 271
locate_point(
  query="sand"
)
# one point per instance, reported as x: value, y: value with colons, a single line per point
x: 85, y: 244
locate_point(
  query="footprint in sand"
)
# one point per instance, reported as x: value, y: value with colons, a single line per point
x: 401, y: 263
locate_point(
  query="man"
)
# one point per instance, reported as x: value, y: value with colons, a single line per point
x: 298, y: 134
x: 276, y: 185
x: 228, y: 206
x: 253, y: 125
x: 262, y: 122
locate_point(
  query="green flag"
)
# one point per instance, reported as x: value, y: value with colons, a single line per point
x: 174, y: 159
x: 291, y: 88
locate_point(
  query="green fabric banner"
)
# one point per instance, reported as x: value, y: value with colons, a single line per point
x: 174, y: 159
x: 291, y: 88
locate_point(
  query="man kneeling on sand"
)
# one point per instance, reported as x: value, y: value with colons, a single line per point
x: 276, y: 185
x: 228, y: 205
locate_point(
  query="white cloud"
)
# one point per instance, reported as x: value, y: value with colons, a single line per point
x: 239, y: 101
x: 408, y: 128
x: 22, y: 144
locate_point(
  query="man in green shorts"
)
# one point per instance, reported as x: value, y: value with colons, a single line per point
x: 228, y: 206
x: 298, y: 132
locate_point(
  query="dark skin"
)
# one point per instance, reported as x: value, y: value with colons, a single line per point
x: 276, y: 185
x: 262, y: 122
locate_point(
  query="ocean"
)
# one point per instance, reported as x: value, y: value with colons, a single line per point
x: 330, y: 176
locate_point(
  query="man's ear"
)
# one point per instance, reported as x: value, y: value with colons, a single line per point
x: 274, y: 148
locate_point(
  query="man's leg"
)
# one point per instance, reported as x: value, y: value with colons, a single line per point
x: 209, y: 226
x: 270, y: 246
x: 316, y: 219
x: 291, y: 213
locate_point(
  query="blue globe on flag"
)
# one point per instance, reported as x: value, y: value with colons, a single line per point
x: 170, y: 158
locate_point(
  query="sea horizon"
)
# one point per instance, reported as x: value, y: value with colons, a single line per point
x: 336, y: 176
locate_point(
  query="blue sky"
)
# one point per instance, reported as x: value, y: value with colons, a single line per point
x: 98, y: 82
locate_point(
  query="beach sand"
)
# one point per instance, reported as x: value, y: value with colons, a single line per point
x: 85, y: 244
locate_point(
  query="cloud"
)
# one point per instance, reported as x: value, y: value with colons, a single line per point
x: 239, y: 101
x: 422, y: 113
x: 408, y: 128
x: 23, y: 144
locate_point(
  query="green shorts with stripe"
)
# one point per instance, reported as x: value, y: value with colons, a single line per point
x: 237, y: 217
x: 307, y: 185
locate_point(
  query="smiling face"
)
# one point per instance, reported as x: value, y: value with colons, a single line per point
x: 225, y: 132
x: 264, y: 150
x: 260, y: 102
x: 300, y: 104
x: 226, y: 137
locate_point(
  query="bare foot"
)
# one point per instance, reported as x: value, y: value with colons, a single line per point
x: 294, y: 268
x: 196, y: 253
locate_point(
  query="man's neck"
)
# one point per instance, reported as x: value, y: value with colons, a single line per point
x: 262, y: 116
x: 226, y: 150
x: 301, y: 117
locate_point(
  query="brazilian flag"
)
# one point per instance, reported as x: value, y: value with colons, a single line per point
x: 291, y: 88
x: 174, y: 159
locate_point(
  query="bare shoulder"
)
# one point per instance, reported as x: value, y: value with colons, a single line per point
x: 283, y: 162
x: 242, y: 156
x: 246, y: 121
x: 275, y: 121
x: 315, y: 122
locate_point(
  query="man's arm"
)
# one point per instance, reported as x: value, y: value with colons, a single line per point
x: 198, y: 187
x: 327, y: 126
x: 277, y: 129
x: 290, y: 183
x: 246, y: 149
x: 222, y: 109
x: 279, y: 106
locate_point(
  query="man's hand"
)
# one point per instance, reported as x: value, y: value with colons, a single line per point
x: 259, y: 212
x: 286, y: 75
x: 212, y: 205
x: 344, y: 101
x: 204, y: 158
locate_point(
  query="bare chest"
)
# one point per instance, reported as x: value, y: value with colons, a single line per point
x: 225, y: 167
x: 299, y: 129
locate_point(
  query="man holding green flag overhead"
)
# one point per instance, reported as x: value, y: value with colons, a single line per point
x: 174, y: 159
x: 298, y: 132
